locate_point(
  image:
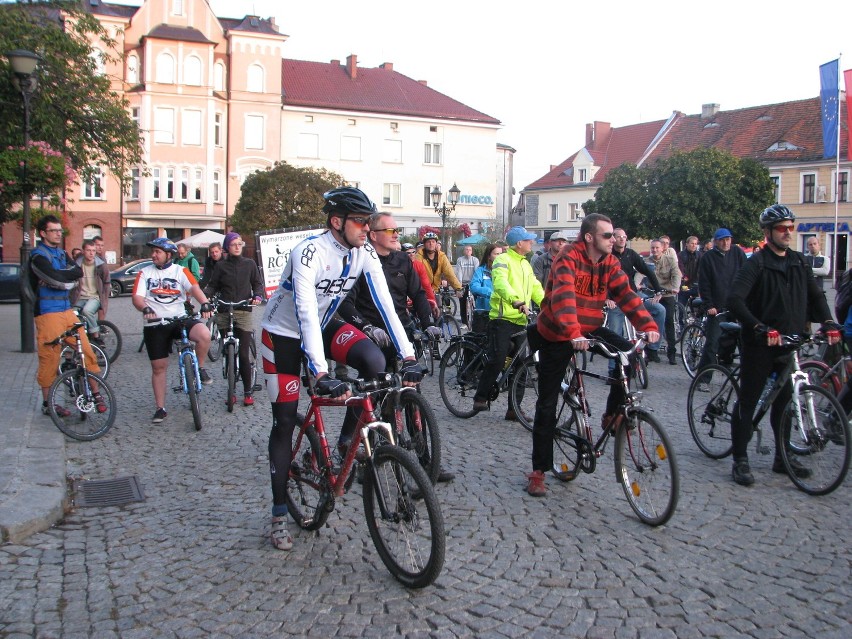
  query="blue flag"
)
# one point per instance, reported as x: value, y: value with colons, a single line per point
x: 828, y: 95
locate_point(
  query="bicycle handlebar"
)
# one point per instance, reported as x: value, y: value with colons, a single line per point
x: 69, y: 333
x: 603, y: 348
x: 240, y: 304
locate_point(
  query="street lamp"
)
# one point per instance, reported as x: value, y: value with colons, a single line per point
x: 24, y: 64
x: 443, y: 210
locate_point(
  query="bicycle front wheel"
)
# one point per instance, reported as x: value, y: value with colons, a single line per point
x: 70, y: 360
x: 408, y: 533
x: 710, y: 405
x: 458, y: 377
x: 309, y: 498
x: 74, y: 408
x: 646, y: 467
x: 415, y: 419
x: 231, y: 374
x: 691, y: 346
x: 111, y: 338
x: 568, y: 456
x: 640, y: 371
x: 815, y: 447
x: 191, y: 389
x: 215, y: 350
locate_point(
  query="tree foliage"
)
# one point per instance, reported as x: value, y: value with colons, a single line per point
x: 689, y: 193
x: 283, y: 196
x: 73, y: 108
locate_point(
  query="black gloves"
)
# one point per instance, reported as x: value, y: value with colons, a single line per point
x: 411, y: 371
x: 332, y: 387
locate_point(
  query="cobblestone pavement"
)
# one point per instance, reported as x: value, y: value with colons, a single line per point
x: 193, y: 559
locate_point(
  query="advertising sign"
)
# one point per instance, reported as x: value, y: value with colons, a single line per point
x: 273, y: 250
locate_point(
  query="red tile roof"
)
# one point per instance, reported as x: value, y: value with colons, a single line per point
x: 375, y: 90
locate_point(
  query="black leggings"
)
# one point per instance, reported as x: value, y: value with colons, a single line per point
x: 284, y: 356
x: 245, y: 337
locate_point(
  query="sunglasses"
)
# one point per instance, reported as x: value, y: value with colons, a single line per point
x: 784, y: 228
x: 355, y: 219
x: 605, y: 236
x: 390, y: 231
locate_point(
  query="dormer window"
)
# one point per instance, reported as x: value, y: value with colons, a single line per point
x: 783, y: 146
x: 582, y: 175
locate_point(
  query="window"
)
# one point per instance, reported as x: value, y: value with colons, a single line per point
x: 392, y: 151
x: 184, y: 184
x: 219, y: 77
x: 93, y: 188
x: 165, y: 68
x: 192, y: 70
x: 582, y: 175
x: 427, y: 196
x: 254, y: 78
x: 156, y: 184
x: 191, y: 127
x: 842, y: 187
x: 351, y: 122
x: 308, y: 145
x: 97, y: 61
x: 572, y: 211
x: 217, y: 186
x: 776, y: 181
x: 170, y: 183
x: 309, y: 118
x: 350, y: 148
x: 432, y: 153
x: 91, y: 231
x: 132, y: 70
x: 391, y: 194
x: 177, y: 7
x: 135, y: 115
x: 197, y: 185
x: 808, y: 188
x: 164, y: 125
x: 254, y: 132
x: 134, y: 184
x: 217, y: 129
x: 554, y: 213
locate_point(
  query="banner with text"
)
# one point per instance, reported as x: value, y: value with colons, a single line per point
x: 273, y: 250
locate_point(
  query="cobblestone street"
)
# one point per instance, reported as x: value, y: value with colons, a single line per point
x: 193, y: 559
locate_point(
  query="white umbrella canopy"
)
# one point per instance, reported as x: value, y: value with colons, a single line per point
x: 202, y: 240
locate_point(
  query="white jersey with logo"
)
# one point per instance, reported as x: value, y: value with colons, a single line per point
x: 165, y: 290
x: 317, y: 277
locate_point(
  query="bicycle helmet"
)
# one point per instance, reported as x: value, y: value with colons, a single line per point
x: 163, y: 243
x: 430, y: 236
x: 407, y: 247
x: 774, y: 214
x: 345, y: 200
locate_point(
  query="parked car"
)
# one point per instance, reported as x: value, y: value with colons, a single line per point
x: 10, y: 277
x: 122, y: 278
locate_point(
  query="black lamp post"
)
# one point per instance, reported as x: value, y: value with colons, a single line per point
x: 24, y: 64
x: 443, y: 210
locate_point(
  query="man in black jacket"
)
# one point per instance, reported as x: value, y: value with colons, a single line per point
x: 403, y: 281
x: 234, y: 279
x: 687, y: 262
x: 774, y: 294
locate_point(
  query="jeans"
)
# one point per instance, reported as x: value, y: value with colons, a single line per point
x: 669, y: 303
x: 89, y: 310
x: 712, y: 332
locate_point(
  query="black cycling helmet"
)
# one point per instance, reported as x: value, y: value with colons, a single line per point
x: 164, y: 244
x: 430, y: 236
x: 345, y: 200
x: 407, y: 246
x: 774, y: 214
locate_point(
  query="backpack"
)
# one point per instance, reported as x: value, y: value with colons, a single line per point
x: 843, y: 299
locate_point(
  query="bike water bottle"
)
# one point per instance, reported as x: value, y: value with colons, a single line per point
x: 507, y: 363
x: 766, y: 390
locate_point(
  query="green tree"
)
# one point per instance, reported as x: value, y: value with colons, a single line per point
x: 283, y: 196
x: 73, y: 109
x: 689, y: 193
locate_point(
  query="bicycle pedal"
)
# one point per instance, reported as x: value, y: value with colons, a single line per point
x: 257, y: 387
x: 177, y: 389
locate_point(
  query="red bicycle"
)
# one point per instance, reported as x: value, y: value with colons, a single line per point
x: 402, y: 510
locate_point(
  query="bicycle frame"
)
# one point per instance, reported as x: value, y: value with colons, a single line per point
x: 516, y: 361
x: 185, y: 345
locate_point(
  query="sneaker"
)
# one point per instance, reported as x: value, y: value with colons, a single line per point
x: 159, y: 416
x: 703, y: 387
x: 536, y: 487
x: 741, y: 473
x: 652, y: 356
x: 445, y: 476
x: 100, y: 404
x: 60, y: 410
x: 480, y: 404
x: 798, y: 470
x: 248, y: 400
x: 672, y: 359
x: 205, y: 376
x: 280, y: 536
x: 510, y: 416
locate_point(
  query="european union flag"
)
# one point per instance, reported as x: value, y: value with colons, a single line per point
x: 828, y: 95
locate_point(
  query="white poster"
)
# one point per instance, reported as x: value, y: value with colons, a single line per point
x: 273, y: 248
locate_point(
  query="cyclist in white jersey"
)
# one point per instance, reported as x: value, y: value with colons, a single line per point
x: 300, y: 320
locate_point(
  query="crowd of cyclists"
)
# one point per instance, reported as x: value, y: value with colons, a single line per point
x: 353, y: 295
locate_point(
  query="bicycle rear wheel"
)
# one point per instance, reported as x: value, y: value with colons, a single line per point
x: 820, y: 446
x: 191, y: 389
x: 215, y: 350
x: 408, y: 533
x: 111, y: 338
x: 819, y: 374
x: 691, y: 346
x: 712, y: 398
x: 646, y: 467
x: 640, y: 372
x: 567, y: 458
x: 309, y: 498
x: 449, y: 328
x: 231, y: 374
x: 73, y: 408
x: 458, y: 377
x: 523, y: 393
x: 416, y: 421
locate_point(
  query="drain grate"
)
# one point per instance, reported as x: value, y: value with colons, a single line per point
x: 107, y: 492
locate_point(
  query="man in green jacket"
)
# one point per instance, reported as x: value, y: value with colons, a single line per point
x: 515, y: 286
x: 186, y: 259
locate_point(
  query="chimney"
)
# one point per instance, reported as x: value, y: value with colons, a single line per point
x: 709, y: 110
x: 352, y: 65
x: 597, y: 134
x: 387, y: 66
x: 423, y: 82
x: 335, y: 63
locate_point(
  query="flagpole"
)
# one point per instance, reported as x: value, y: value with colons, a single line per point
x: 837, y: 178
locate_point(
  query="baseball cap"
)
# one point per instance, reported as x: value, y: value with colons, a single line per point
x: 721, y: 234
x: 518, y: 234
x: 559, y: 235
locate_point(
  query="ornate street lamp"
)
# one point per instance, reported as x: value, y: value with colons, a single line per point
x: 24, y: 64
x: 443, y: 210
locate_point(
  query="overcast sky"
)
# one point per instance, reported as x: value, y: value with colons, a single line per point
x: 545, y: 69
